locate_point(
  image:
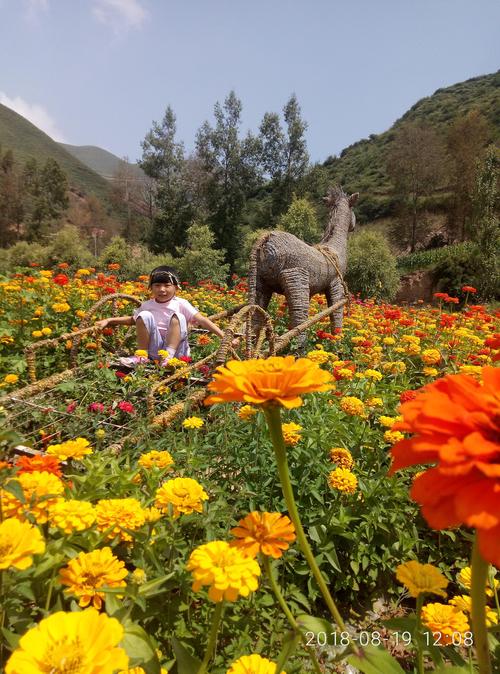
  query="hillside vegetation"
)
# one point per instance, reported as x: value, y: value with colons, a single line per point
x: 103, y: 162
x: 362, y: 166
x: 29, y: 142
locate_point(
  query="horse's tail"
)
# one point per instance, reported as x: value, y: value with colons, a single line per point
x: 252, y: 268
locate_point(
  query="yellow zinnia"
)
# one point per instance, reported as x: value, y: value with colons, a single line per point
x: 72, y: 515
x: 246, y: 412
x: 119, y: 515
x: 71, y: 449
x: 291, y: 433
x: 227, y: 571
x: 421, y: 578
x: 82, y: 642
x: 86, y: 574
x: 11, y: 378
x: 444, y: 620
x: 41, y: 490
x: 184, y: 494
x: 193, y: 422
x: 19, y: 541
x: 342, y: 457
x: 343, y: 480
x: 352, y: 406
x: 156, y: 459
x: 277, y: 379
x: 253, y: 664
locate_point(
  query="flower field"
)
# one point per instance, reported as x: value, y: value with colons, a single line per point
x: 315, y: 514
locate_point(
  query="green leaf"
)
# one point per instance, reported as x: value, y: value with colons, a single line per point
x: 14, y: 488
x: 148, y: 589
x: 374, y: 660
x: 140, y: 648
x: 290, y: 642
x: 308, y: 623
x: 452, y: 670
x: 11, y: 638
x: 186, y: 663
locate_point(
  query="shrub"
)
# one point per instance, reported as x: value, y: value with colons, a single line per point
x: 371, y: 267
x: 300, y: 220
x: 23, y: 253
x: 460, y: 266
x: 68, y: 246
x: 200, y: 260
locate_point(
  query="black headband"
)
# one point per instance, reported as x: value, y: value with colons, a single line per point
x: 163, y: 277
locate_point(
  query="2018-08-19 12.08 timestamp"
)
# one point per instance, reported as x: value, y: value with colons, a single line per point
x: 405, y: 638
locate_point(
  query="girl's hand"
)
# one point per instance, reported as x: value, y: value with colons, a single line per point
x: 103, y: 323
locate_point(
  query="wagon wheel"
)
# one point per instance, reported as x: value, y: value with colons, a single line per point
x: 90, y: 318
x: 254, y: 326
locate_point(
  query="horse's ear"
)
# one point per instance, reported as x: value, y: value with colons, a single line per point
x: 353, y: 199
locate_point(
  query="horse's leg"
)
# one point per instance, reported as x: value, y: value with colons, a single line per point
x: 334, y: 293
x: 295, y: 283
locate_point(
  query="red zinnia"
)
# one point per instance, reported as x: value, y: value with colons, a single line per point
x: 61, y: 279
x: 469, y: 289
x: 39, y: 463
x: 456, y: 422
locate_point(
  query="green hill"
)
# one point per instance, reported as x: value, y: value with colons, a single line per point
x: 101, y: 161
x: 27, y: 141
x: 361, y: 166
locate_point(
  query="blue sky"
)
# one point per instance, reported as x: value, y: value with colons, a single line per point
x: 98, y: 72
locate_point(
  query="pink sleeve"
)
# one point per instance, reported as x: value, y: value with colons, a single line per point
x: 187, y: 309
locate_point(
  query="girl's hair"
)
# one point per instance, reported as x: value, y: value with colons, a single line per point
x: 164, y: 274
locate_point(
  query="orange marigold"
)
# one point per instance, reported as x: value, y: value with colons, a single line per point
x: 456, y: 422
x: 269, y: 533
x: 277, y: 379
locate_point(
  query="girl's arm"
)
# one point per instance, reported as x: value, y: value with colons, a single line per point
x: 206, y: 323
x: 119, y: 320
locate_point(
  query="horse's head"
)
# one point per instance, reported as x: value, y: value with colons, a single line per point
x: 333, y: 199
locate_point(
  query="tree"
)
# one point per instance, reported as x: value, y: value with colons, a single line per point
x: 415, y: 163
x: 200, y: 260
x: 163, y: 160
x: 466, y: 142
x: 300, y: 220
x: 486, y: 231
x: 11, y: 205
x: 46, y: 193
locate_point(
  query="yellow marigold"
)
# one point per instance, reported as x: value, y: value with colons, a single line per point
x: 345, y: 373
x: 141, y: 353
x: 19, y: 541
x: 343, y: 480
x: 373, y: 374
x: 119, y: 515
x: 45, y: 273
x: 269, y: 533
x: 37, y: 334
x: 388, y: 422
x: 152, y: 514
x: 156, y: 459
x: 430, y: 356
x: 88, y: 573
x: 36, y: 486
x: 253, y: 664
x: 465, y: 578
x: 277, y: 379
x: 444, y: 620
x: 430, y: 371
x: 353, y: 406
x: 193, y: 422
x: 463, y: 602
x: 184, y: 494
x: 60, y: 307
x: 82, y: 272
x: 393, y: 436
x: 46, y: 331
x: 412, y: 349
x: 246, y: 412
x: 394, y: 367
x: 225, y: 569
x: 473, y: 370
x: 291, y: 433
x: 389, y: 341
x: 374, y: 402
x: 83, y: 642
x: 72, y: 515
x: 319, y: 356
x: 11, y: 378
x: 71, y: 449
x: 421, y: 578
x: 342, y: 457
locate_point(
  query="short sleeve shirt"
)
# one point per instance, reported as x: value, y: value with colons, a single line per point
x: 163, y: 311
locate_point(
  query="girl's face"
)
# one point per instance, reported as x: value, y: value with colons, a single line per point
x: 163, y: 292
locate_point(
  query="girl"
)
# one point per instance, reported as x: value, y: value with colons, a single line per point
x: 162, y: 322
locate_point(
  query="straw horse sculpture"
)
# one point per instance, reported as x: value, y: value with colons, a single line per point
x: 281, y: 263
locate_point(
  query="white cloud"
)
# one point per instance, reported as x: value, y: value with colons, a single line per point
x: 36, y: 114
x: 119, y: 14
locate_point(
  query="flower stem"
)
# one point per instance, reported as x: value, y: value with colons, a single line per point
x: 420, y: 650
x: 273, y: 418
x: 289, y: 615
x: 478, y: 613
x: 216, y: 618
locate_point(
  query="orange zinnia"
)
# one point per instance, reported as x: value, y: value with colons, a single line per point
x: 278, y: 379
x: 456, y: 421
x: 269, y: 533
